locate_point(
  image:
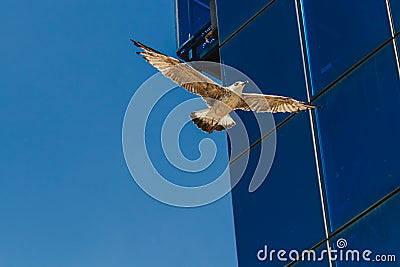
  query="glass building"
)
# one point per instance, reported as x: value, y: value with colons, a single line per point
x: 335, y: 180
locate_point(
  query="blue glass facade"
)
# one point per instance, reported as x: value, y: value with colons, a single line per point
x: 235, y: 15
x: 395, y: 11
x: 336, y: 170
x: 357, y: 148
x: 339, y: 34
x: 195, y: 13
x: 197, y: 30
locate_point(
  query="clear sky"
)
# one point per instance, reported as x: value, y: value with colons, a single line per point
x: 67, y: 74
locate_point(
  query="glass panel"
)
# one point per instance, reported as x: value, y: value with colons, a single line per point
x: 395, y: 9
x: 200, y: 14
x: 274, y: 64
x: 234, y: 13
x: 182, y: 21
x: 359, y: 131
x: 340, y: 33
x: 192, y: 16
x: 398, y: 47
x: 378, y: 232
x: 285, y: 212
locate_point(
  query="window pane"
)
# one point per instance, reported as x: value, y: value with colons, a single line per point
x: 395, y: 8
x: 272, y: 59
x: 340, y: 33
x: 378, y: 232
x: 192, y: 16
x: 285, y: 211
x: 234, y: 13
x: 359, y: 131
x: 398, y: 47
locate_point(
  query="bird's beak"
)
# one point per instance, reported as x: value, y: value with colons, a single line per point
x: 245, y: 82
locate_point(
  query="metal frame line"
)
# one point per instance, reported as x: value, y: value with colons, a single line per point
x: 304, y: 51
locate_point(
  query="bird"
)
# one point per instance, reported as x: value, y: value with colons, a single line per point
x: 220, y: 100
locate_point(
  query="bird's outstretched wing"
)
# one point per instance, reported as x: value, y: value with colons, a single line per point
x: 181, y: 73
x: 271, y: 103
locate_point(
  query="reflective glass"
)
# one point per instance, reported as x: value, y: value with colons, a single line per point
x: 395, y: 9
x: 192, y: 16
x: 340, y: 33
x: 377, y: 232
x: 285, y: 212
x: 398, y: 47
x: 274, y: 64
x: 232, y: 14
x: 359, y: 131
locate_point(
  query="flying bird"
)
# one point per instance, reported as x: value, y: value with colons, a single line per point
x: 221, y: 100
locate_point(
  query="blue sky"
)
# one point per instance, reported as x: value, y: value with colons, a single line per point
x: 68, y: 72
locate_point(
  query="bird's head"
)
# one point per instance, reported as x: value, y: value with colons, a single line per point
x: 238, y: 86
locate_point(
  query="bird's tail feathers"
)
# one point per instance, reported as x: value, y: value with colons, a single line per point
x: 209, y: 123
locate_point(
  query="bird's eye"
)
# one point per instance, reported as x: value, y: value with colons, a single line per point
x: 236, y: 83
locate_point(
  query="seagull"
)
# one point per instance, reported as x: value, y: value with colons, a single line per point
x: 221, y: 100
